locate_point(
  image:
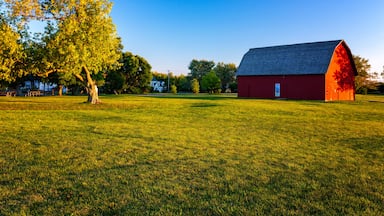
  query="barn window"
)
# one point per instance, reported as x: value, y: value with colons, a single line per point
x: 277, y: 89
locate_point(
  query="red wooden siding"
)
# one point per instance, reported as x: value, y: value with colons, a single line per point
x: 340, y: 76
x: 307, y: 87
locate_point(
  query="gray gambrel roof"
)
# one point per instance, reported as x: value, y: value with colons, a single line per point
x: 296, y: 59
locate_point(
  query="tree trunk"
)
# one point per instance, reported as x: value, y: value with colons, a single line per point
x: 60, y: 90
x: 93, y: 92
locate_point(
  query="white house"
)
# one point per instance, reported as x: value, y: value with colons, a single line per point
x: 35, y: 84
x: 158, y: 86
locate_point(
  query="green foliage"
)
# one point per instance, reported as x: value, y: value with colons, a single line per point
x: 380, y: 88
x: 86, y: 38
x: 133, y: 76
x: 183, y: 83
x: 195, y: 86
x: 362, y: 65
x: 211, y: 82
x: 115, y: 82
x: 12, y: 55
x: 200, y: 68
x: 363, y: 83
x: 173, y: 89
x: 233, y: 87
x: 226, y: 73
x: 191, y: 155
x: 160, y: 76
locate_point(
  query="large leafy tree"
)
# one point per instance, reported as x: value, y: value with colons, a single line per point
x: 211, y: 82
x: 160, y: 76
x: 12, y: 55
x: 362, y: 80
x: 183, y: 83
x: 137, y: 73
x: 200, y: 68
x: 226, y: 73
x: 133, y: 76
x: 115, y: 82
x: 80, y: 39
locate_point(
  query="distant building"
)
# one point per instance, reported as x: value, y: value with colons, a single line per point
x: 309, y: 71
x: 36, y: 84
x: 157, y: 86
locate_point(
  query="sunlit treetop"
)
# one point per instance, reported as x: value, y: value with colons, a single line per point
x: 11, y: 53
x: 80, y: 39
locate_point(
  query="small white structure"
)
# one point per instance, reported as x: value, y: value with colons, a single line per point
x: 39, y: 85
x: 158, y: 86
x: 36, y: 85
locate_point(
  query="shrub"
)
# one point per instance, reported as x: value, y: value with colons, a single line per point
x: 173, y: 89
x: 195, y: 86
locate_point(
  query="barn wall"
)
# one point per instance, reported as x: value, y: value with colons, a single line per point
x: 340, y: 76
x: 306, y: 87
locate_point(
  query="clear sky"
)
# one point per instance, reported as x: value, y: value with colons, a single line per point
x: 170, y: 33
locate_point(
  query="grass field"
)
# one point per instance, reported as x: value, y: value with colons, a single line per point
x: 191, y: 155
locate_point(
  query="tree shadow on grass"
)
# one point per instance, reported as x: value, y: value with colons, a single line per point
x: 369, y: 144
x: 197, y: 105
x: 194, y: 96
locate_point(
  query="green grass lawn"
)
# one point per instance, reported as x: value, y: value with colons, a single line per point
x: 191, y: 155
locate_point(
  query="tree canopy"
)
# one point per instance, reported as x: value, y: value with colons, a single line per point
x: 211, y: 82
x: 200, y: 68
x: 226, y: 73
x: 362, y: 80
x: 133, y: 76
x: 80, y: 38
x: 12, y: 55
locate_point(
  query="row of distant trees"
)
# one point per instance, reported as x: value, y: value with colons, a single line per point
x: 134, y: 76
x: 204, y: 76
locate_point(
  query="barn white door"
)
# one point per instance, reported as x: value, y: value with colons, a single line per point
x: 277, y: 89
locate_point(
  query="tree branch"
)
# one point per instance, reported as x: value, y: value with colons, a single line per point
x: 88, y: 74
x: 78, y: 76
x: 50, y: 71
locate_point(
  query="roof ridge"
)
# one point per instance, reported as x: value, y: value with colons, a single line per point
x: 292, y: 59
x: 296, y: 44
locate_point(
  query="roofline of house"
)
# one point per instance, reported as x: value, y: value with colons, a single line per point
x: 295, y: 44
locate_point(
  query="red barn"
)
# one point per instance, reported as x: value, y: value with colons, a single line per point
x: 308, y: 71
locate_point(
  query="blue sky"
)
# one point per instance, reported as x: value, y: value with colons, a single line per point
x: 170, y: 33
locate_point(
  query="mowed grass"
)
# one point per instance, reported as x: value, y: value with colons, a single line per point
x: 191, y: 155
